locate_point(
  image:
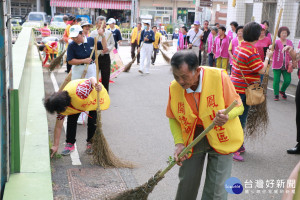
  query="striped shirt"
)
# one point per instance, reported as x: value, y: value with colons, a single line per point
x: 249, y: 61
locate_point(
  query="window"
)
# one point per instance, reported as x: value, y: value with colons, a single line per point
x: 21, y: 9
x: 249, y: 12
x: 298, y: 22
x: 269, y: 13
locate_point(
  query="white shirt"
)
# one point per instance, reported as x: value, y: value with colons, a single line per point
x: 109, y: 39
x: 195, y: 37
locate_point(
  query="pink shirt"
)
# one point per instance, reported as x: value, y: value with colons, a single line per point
x: 231, y: 35
x: 269, y: 36
x: 299, y: 60
x: 234, y: 44
x: 278, y: 55
x: 210, y: 43
x: 260, y: 44
x: 221, y: 48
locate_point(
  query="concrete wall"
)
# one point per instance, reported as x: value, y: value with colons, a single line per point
x: 30, y: 161
x: 289, y: 17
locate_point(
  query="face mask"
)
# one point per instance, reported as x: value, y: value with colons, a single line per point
x: 145, y: 27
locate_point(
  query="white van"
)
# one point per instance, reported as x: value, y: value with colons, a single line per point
x: 36, y: 19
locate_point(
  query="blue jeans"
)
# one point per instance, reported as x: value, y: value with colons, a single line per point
x: 243, y: 117
x: 211, y: 59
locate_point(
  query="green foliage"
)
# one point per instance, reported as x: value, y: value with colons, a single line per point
x: 169, y: 28
x: 125, y: 30
x: 59, y: 30
x: 17, y: 28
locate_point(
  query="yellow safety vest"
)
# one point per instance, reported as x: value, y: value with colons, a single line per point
x: 134, y: 35
x: 224, y: 140
x: 157, y: 37
x: 49, y: 49
x: 90, y: 103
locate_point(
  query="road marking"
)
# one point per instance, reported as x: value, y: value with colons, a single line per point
x: 74, y: 155
x: 286, y: 93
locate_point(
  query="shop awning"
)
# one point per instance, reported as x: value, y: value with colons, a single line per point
x: 103, y: 4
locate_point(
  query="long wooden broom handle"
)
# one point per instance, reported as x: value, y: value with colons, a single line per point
x: 192, y: 144
x: 274, y: 38
x: 87, y: 65
x: 97, y: 73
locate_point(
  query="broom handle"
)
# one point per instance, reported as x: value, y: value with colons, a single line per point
x: 274, y: 38
x: 87, y: 65
x: 195, y: 141
x: 97, y: 73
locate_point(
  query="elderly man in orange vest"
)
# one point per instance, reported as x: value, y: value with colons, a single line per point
x: 197, y: 97
x: 135, y: 40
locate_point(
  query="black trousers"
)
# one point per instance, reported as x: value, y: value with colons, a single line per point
x: 297, y: 99
x: 133, y: 47
x: 153, y: 58
x: 69, y: 67
x: 200, y: 57
x: 104, y: 67
x: 72, y: 127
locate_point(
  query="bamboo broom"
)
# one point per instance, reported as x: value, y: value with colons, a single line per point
x: 128, y: 66
x: 165, y: 47
x: 56, y: 61
x: 102, y: 154
x: 166, y: 58
x: 266, y: 75
x: 258, y: 117
x: 142, y: 192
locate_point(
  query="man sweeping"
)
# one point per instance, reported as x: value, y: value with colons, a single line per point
x: 146, y: 40
x: 197, y: 97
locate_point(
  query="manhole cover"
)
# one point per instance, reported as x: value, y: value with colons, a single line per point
x: 95, y: 183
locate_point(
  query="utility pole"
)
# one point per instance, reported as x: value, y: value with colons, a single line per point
x: 197, y: 12
x: 38, y: 5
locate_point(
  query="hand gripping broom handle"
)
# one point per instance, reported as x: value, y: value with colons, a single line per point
x: 192, y: 144
x: 87, y: 65
x: 69, y: 76
x: 274, y: 37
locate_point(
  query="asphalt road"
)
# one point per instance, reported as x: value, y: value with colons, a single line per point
x: 137, y: 130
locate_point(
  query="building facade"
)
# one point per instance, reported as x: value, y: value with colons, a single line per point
x: 260, y: 10
x: 175, y: 12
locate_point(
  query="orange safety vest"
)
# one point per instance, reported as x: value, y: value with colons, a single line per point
x: 46, y: 32
x: 225, y: 139
x: 90, y: 103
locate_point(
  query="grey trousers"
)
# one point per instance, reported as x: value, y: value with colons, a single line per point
x: 217, y: 172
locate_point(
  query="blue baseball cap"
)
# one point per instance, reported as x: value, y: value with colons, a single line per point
x: 196, y: 22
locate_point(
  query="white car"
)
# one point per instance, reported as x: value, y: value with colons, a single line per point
x: 58, y: 21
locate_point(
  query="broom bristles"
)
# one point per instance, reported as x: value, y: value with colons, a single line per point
x: 167, y: 43
x: 165, y: 47
x: 166, y: 58
x: 56, y: 61
x: 257, y: 120
x: 128, y: 66
x: 102, y: 154
x: 139, y: 193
